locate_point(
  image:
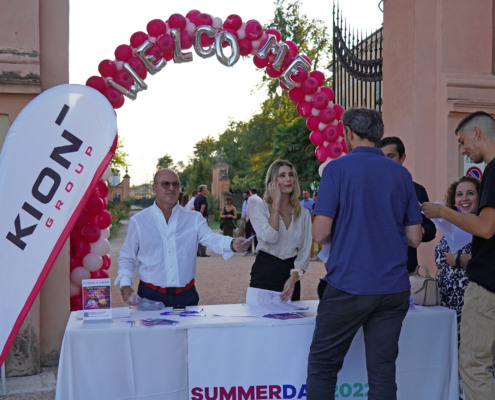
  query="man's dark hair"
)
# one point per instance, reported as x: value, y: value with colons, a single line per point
x: 254, y: 191
x: 194, y: 192
x: 307, y: 190
x: 399, y: 146
x: 364, y: 122
x: 247, y: 192
x: 466, y: 120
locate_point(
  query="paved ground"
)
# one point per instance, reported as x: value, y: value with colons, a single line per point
x: 218, y: 282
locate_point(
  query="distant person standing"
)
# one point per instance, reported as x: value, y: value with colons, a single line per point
x: 307, y: 202
x: 367, y: 207
x: 253, y: 199
x: 185, y: 200
x: 201, y: 206
x: 190, y: 203
x: 228, y: 218
x: 242, y: 224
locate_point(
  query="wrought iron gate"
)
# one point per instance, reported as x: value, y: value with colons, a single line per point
x: 356, y: 66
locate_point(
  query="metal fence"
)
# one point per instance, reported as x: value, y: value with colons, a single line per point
x: 357, y: 65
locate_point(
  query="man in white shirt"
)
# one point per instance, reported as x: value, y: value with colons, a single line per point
x: 161, y: 243
x: 251, y: 201
x: 190, y: 203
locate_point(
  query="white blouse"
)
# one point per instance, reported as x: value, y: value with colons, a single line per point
x: 284, y: 243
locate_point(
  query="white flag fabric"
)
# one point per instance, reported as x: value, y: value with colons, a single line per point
x: 54, y: 154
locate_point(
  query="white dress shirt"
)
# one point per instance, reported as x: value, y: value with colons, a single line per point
x: 252, y: 200
x: 284, y: 243
x: 190, y: 204
x: 165, y: 253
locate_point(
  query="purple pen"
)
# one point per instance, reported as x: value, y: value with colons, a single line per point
x: 458, y: 209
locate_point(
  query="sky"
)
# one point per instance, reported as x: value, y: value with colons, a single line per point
x: 184, y: 103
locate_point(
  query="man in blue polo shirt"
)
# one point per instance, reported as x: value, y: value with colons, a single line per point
x: 367, y: 208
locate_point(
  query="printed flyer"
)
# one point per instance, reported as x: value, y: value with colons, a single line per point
x: 97, y: 299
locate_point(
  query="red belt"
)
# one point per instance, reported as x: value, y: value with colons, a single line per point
x: 169, y: 290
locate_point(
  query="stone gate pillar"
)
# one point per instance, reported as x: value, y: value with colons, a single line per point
x: 220, y: 186
x: 438, y: 64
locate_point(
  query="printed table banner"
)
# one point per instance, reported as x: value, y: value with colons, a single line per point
x: 55, y: 152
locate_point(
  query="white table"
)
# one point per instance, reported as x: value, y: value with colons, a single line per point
x: 221, y: 354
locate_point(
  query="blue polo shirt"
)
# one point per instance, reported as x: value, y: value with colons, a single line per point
x: 371, y: 198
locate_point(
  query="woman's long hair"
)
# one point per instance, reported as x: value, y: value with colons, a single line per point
x: 272, y: 174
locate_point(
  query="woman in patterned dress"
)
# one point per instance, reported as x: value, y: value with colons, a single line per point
x: 452, y: 280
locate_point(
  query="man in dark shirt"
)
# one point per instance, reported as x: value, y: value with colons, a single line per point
x: 393, y: 148
x: 367, y: 207
x: 201, y: 206
x: 476, y: 136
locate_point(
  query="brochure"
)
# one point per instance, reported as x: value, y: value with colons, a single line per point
x: 151, y: 322
x: 293, y: 315
x: 97, y: 299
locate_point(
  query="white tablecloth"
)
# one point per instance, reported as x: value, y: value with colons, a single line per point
x: 265, y: 356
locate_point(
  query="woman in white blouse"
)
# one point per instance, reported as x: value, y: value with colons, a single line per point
x: 283, y: 230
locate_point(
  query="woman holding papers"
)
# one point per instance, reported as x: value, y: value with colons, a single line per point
x: 283, y: 229
x: 452, y: 280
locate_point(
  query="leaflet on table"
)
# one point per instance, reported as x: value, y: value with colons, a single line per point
x: 148, y: 322
x: 268, y: 302
x: 291, y: 315
x: 456, y: 237
x: 96, y: 299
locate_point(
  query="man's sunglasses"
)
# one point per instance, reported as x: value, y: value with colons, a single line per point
x: 165, y: 184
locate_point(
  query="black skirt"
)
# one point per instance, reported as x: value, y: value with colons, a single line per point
x: 271, y: 273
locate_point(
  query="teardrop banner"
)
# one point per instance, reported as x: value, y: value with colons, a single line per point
x: 53, y: 156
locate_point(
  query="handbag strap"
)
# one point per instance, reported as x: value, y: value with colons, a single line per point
x: 416, y: 273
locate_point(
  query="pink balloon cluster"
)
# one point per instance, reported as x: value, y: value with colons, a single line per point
x: 89, y: 245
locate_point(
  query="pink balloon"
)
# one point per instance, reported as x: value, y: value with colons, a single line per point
x: 313, y: 123
x: 254, y: 30
x: 321, y: 153
x: 113, y: 96
x: 304, y: 109
x: 283, y: 86
x: 156, y: 27
x: 154, y: 51
x: 96, y: 82
x: 100, y: 247
x: 330, y: 133
x: 320, y: 101
x: 272, y: 72
x: 76, y: 303
x: 165, y: 43
x: 107, y: 262
x: 107, y: 68
x: 328, y: 92
x: 275, y: 32
x: 138, y: 38
x: 119, y: 104
x: 310, y: 86
x: 246, y: 47
x: 94, y: 205
x: 75, y: 234
x: 104, y: 219
x: 123, y: 78
x: 203, y: 19
x: 327, y: 115
x: 92, y: 262
x: 80, y: 248
x: 74, y: 290
x: 306, y: 58
x: 334, y: 150
x: 319, y: 76
x: 138, y: 67
x: 301, y: 75
x: 191, y: 15
x: 100, y: 274
x: 233, y: 21
x: 316, y: 138
x: 296, y: 95
x: 260, y: 62
x: 123, y: 52
x: 78, y: 274
x: 186, y: 40
x: 75, y: 262
x: 101, y: 188
x: 340, y: 127
x: 91, y: 233
x: 292, y: 47
x: 177, y: 21
x: 287, y: 60
x: 339, y: 110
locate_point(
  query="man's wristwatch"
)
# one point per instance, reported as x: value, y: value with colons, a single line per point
x: 122, y: 287
x: 458, y: 260
x: 232, y: 246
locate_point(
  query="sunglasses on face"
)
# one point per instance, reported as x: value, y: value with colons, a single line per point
x: 166, y: 184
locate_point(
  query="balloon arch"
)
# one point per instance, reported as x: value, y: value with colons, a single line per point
x: 210, y: 36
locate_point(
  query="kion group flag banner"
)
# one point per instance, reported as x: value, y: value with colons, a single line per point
x: 55, y: 152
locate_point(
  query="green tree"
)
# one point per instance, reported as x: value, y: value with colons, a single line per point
x: 165, y: 162
x: 119, y: 159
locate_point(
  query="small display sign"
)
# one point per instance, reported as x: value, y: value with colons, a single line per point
x: 97, y: 299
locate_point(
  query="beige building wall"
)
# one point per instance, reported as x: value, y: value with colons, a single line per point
x: 34, y: 56
x: 438, y: 63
